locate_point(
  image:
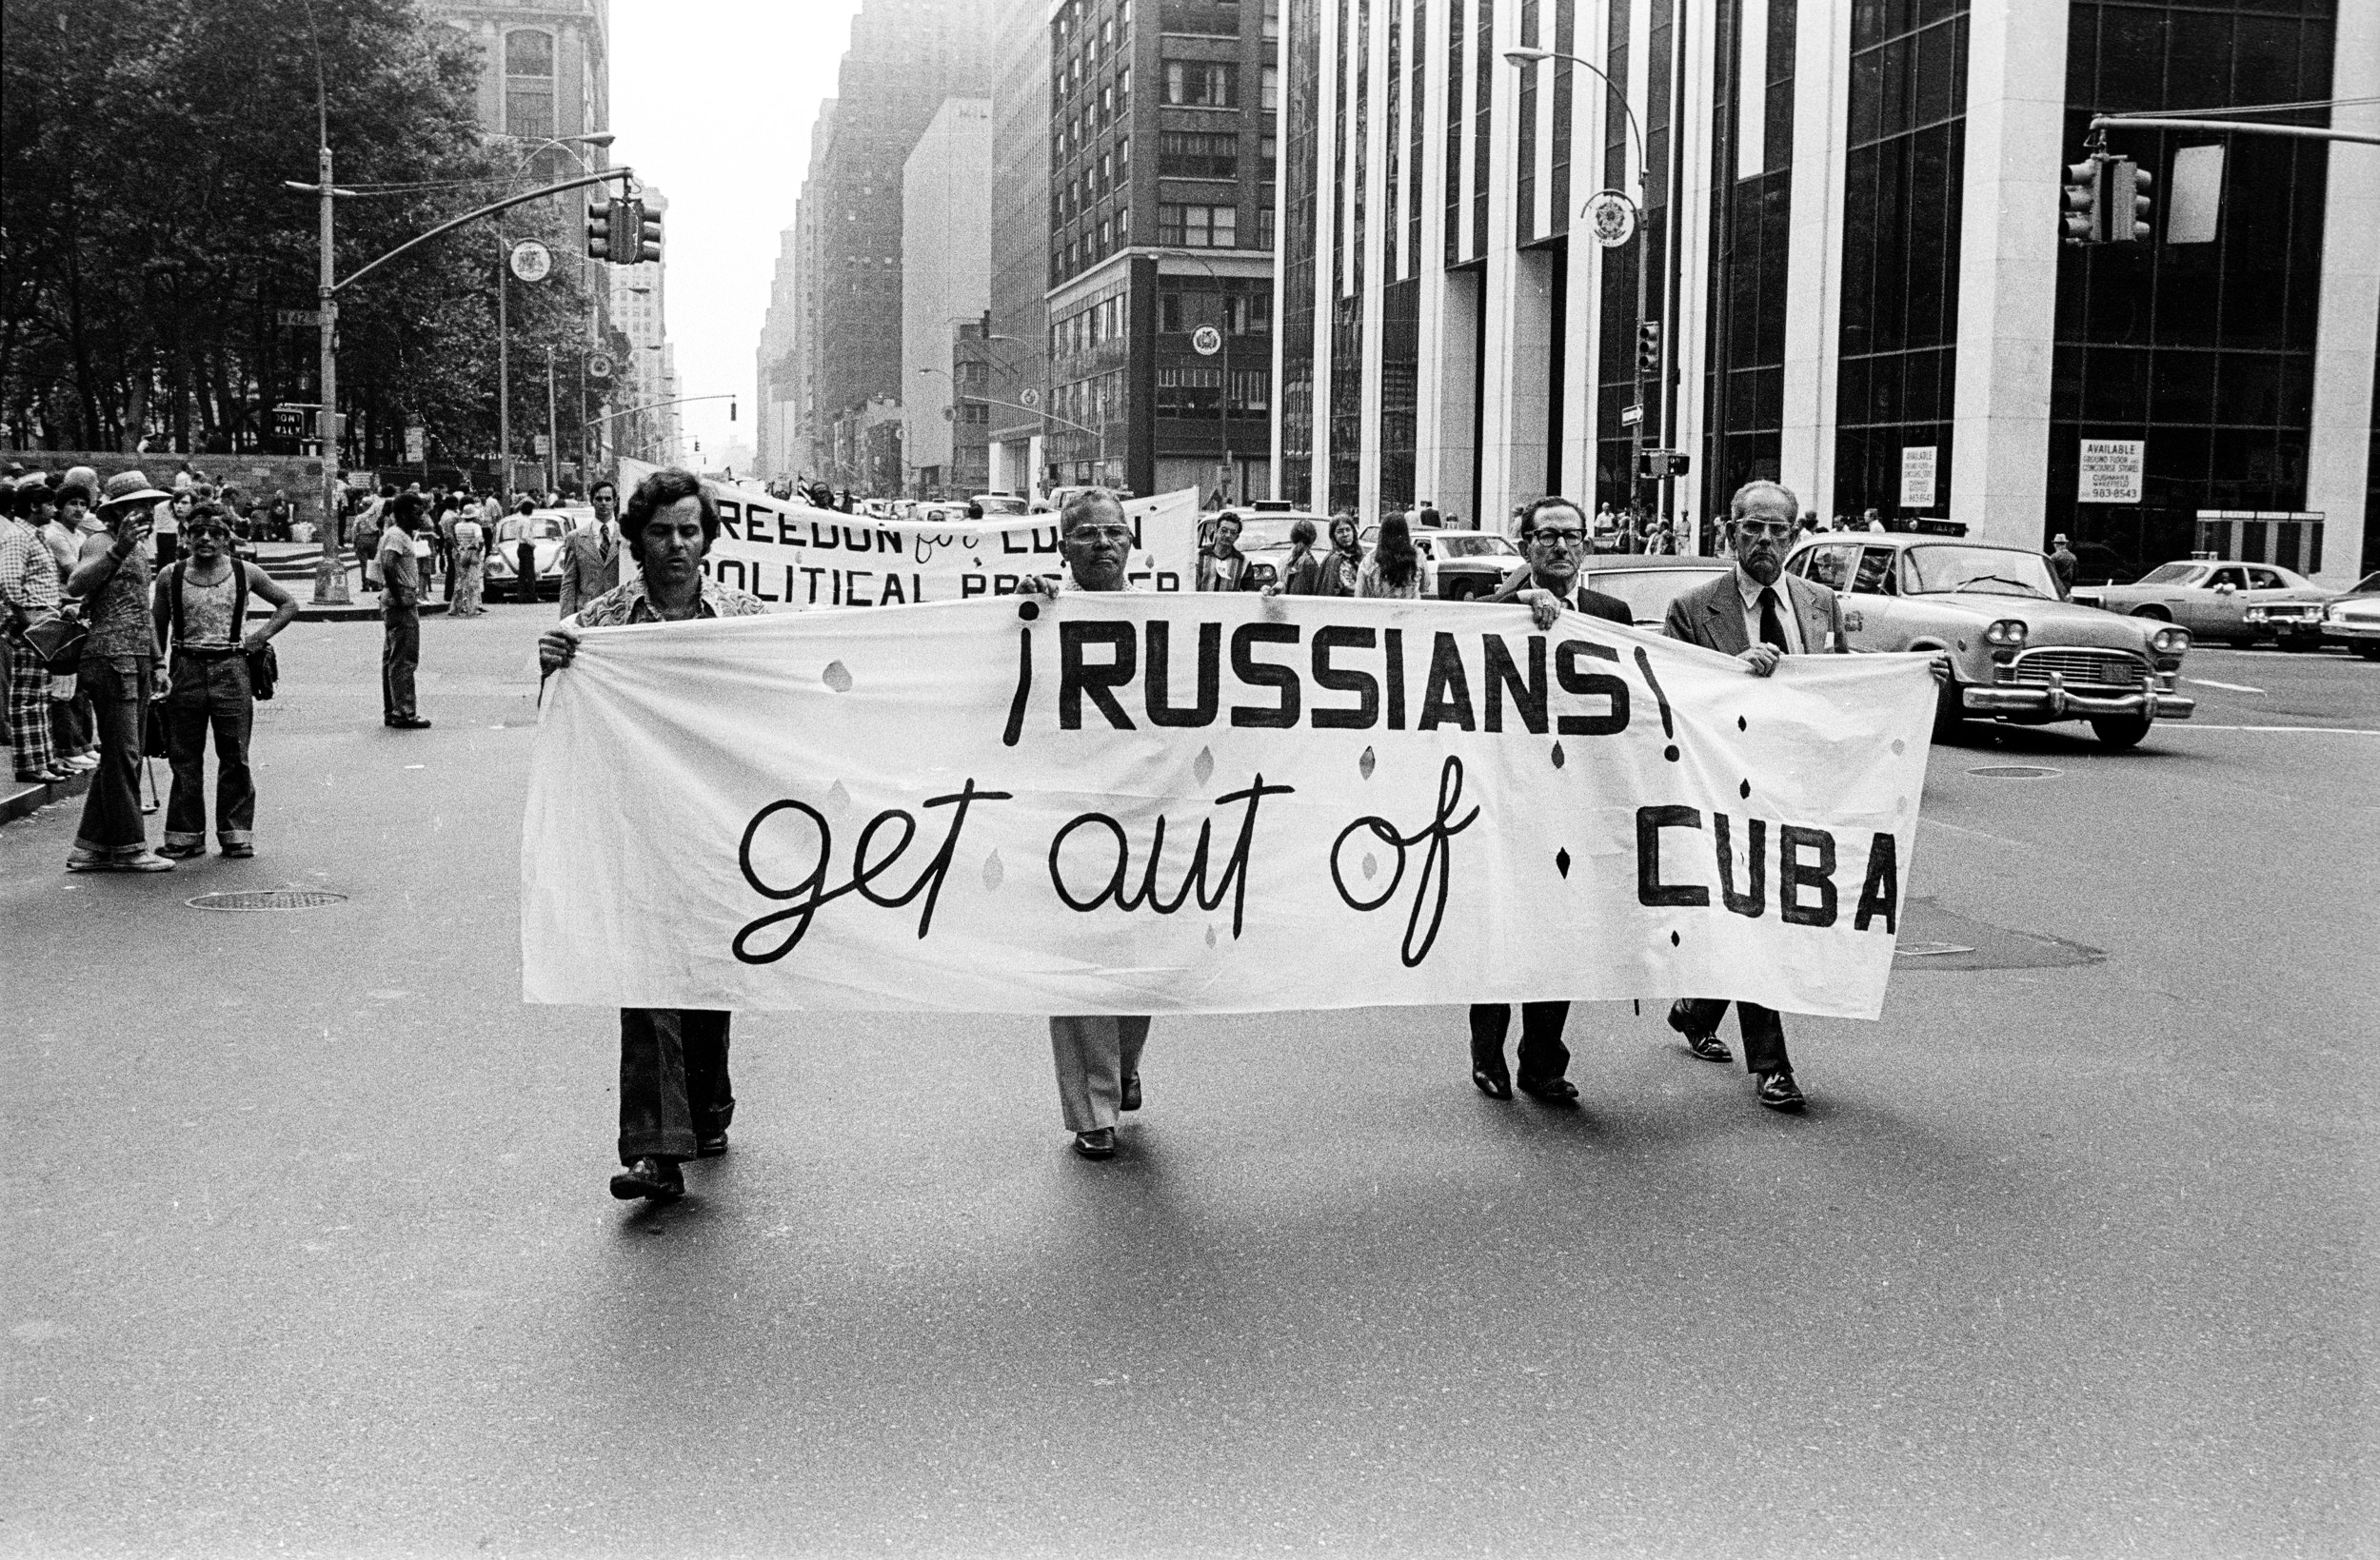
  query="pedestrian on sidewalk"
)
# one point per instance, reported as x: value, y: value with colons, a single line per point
x: 401, y: 615
x: 118, y: 668
x: 201, y: 609
x: 368, y: 526
x: 29, y: 596
x: 525, y: 564
x: 675, y: 1098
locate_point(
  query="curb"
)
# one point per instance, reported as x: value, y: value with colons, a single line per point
x: 19, y: 798
x: 359, y: 612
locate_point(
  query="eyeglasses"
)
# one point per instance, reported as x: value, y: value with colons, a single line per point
x: 1779, y: 530
x: 1557, y: 536
x: 1097, y: 535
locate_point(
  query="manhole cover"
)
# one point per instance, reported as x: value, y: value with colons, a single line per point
x: 269, y: 898
x: 2013, y: 771
x: 1931, y: 950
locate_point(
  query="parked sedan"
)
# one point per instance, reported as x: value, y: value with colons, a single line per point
x: 2353, y: 620
x: 1649, y: 582
x: 2216, y: 600
x: 2017, y: 653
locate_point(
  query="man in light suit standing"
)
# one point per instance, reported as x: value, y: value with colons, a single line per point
x: 1759, y: 614
x: 590, y: 556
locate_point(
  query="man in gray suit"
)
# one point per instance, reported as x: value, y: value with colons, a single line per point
x: 1759, y: 615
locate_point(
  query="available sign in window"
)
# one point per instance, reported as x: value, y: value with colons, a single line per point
x: 2110, y: 472
x: 1917, y: 473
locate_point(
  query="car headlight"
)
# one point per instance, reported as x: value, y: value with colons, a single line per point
x: 2008, y: 632
x: 2169, y: 642
x: 2255, y: 614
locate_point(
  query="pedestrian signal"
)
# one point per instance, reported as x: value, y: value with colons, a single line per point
x: 644, y: 233
x: 599, y: 229
x: 1649, y: 346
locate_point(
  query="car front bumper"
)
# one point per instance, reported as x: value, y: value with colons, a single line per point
x: 2054, y: 700
x: 2351, y: 630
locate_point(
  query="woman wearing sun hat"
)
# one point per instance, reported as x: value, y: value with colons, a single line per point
x: 118, y: 670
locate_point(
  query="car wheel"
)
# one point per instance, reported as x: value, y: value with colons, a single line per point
x: 1460, y: 590
x: 2370, y: 652
x: 2120, y: 731
x: 2159, y: 612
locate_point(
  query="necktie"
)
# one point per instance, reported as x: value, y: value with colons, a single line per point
x: 1772, y: 626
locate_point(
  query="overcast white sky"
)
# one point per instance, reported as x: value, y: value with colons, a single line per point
x: 712, y: 99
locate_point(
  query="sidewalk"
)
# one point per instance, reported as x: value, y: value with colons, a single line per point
x: 18, y: 797
x: 292, y: 564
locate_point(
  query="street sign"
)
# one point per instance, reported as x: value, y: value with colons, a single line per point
x: 1612, y: 217
x: 599, y: 367
x: 537, y: 445
x: 1631, y: 416
x: 1029, y: 396
x: 1206, y: 341
x: 1917, y: 474
x: 531, y: 261
x: 298, y: 319
x: 294, y: 419
x: 416, y: 446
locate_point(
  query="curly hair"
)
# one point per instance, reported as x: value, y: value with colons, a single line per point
x: 672, y: 484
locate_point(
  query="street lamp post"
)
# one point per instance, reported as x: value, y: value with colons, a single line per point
x: 1099, y: 434
x: 1231, y: 469
x: 1522, y: 57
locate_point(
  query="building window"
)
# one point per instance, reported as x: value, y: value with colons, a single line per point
x: 1201, y: 84
x: 530, y: 84
x: 1189, y: 155
x: 1263, y: 226
x: 1199, y: 227
x: 1270, y: 89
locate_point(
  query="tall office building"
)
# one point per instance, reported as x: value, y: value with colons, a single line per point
x: 1019, y: 277
x: 945, y: 284
x: 1850, y: 234
x: 1161, y: 235
x: 904, y: 58
x: 547, y: 69
x: 776, y: 388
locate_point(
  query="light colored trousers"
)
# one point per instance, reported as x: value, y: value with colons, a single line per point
x: 1094, y: 1055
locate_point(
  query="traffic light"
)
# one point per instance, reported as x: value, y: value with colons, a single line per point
x: 2081, y: 221
x: 644, y: 233
x: 1649, y: 346
x: 599, y: 229
x: 2124, y: 203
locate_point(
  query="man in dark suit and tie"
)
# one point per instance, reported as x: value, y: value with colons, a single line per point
x: 1553, y: 540
x: 1759, y: 614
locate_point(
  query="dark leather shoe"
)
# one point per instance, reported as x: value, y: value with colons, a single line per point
x: 655, y: 1179
x: 1552, y: 1091
x: 1703, y: 1043
x: 711, y: 1145
x: 1098, y: 1143
x: 1778, y: 1092
x: 1495, y: 1084
x: 1131, y: 1098
x: 408, y: 723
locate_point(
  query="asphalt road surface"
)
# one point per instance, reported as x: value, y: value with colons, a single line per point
x: 309, y: 1250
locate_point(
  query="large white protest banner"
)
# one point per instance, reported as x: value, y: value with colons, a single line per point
x: 796, y: 557
x: 1145, y: 803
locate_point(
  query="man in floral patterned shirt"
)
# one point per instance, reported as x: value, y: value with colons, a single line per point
x: 675, y: 1102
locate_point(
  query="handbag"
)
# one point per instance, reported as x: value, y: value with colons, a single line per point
x: 154, y: 730
x: 264, y: 666
x: 58, y: 641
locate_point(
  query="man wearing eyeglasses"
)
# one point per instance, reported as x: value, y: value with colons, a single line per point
x: 1098, y: 1055
x: 1759, y: 614
x: 1553, y: 540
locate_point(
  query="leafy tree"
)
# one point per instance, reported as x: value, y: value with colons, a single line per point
x: 149, y: 246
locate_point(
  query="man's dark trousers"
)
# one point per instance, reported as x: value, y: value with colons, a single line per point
x: 528, y: 571
x: 1542, y: 1056
x: 1764, y: 1032
x: 673, y: 1081
x: 400, y: 652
